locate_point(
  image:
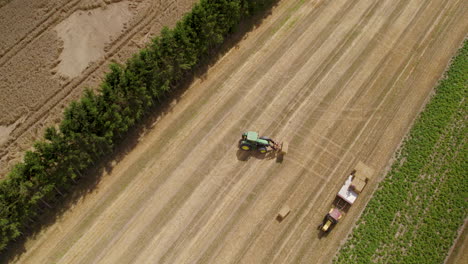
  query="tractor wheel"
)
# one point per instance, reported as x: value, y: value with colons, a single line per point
x: 245, y: 146
x: 262, y: 150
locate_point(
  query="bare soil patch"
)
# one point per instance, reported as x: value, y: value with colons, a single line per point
x: 86, y: 33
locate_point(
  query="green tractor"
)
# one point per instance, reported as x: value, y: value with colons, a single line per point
x: 251, y: 141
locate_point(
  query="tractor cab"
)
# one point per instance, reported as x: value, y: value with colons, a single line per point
x: 331, y: 219
x: 251, y: 141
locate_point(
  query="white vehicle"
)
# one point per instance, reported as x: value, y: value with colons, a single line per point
x: 347, y: 195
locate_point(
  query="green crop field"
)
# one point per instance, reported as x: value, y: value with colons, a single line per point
x: 419, y: 207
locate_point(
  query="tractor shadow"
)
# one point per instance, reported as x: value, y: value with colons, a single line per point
x: 321, y: 234
x: 243, y: 155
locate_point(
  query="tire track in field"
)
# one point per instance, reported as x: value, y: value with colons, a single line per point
x: 418, y: 73
x: 329, y: 135
x: 250, y: 195
x: 156, y: 217
x: 69, y: 89
x: 167, y: 173
x: 378, y: 71
x: 269, y: 129
x: 425, y: 42
x: 51, y: 19
x: 357, y: 130
x: 322, y: 109
x: 297, y: 65
x: 102, y: 205
x: 73, y: 83
x: 31, y: 123
x: 201, y: 133
x: 122, y: 41
x: 316, y: 154
x: 401, y: 73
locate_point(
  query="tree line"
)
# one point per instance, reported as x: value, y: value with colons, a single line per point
x: 92, y: 126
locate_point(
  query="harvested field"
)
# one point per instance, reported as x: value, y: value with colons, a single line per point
x: 341, y: 81
x: 419, y: 209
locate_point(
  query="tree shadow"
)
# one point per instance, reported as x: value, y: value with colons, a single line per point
x: 92, y: 177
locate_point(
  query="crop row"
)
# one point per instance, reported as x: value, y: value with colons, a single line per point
x: 94, y: 125
x: 418, y: 208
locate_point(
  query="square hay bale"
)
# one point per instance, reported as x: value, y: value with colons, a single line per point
x: 283, y: 212
x: 363, y: 171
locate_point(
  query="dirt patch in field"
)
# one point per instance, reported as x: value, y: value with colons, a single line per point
x: 86, y: 33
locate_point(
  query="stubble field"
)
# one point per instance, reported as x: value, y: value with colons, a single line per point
x: 341, y: 81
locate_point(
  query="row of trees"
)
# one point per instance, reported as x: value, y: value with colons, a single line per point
x: 92, y: 126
